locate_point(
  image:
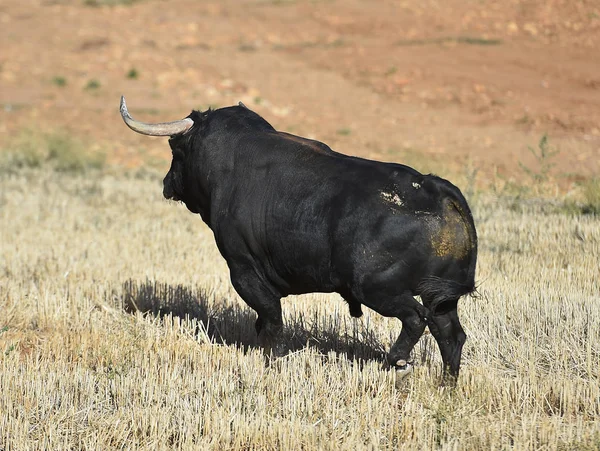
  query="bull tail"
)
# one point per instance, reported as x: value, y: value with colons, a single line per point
x: 441, y: 295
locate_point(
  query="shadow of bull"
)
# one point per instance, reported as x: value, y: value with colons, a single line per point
x: 230, y: 323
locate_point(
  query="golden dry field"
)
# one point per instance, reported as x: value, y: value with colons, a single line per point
x: 82, y: 250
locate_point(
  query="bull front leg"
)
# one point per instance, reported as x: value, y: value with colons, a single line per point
x: 267, y: 303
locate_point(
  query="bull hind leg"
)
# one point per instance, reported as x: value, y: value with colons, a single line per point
x: 413, y: 316
x: 413, y: 319
x: 450, y: 336
x: 267, y: 304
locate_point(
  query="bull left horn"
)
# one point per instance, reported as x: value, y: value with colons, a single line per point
x: 160, y: 129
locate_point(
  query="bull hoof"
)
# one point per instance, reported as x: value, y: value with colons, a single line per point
x: 403, y: 369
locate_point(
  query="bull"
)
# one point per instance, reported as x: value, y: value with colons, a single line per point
x: 292, y: 216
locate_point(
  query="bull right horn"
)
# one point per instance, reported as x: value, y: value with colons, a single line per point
x: 160, y: 129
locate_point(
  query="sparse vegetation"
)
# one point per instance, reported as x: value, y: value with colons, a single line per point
x: 540, y: 173
x: 391, y: 71
x: 133, y: 74
x: 92, y: 85
x: 344, y: 131
x: 470, y: 40
x: 59, y: 81
x: 477, y: 41
x: 281, y: 2
x: 591, y: 196
x: 247, y: 47
x: 588, y: 201
x: 57, y: 150
x: 99, y: 3
x: 336, y: 43
x: 82, y: 367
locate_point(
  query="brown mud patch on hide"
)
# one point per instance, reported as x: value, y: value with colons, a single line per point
x: 450, y: 234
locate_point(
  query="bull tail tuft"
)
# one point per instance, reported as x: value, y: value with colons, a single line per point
x: 441, y: 295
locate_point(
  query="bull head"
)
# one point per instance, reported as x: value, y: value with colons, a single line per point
x: 160, y: 129
x: 173, y: 183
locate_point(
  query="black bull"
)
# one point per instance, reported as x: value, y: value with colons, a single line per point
x: 292, y: 216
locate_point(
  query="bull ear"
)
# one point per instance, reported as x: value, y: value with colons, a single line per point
x: 160, y: 129
x: 242, y: 105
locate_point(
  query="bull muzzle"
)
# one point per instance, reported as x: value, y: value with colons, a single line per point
x: 160, y: 129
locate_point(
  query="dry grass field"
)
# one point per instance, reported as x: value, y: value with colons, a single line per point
x: 84, y: 251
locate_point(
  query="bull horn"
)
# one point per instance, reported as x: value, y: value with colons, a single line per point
x: 161, y: 129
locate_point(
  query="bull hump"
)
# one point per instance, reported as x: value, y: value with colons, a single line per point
x: 313, y: 145
x: 450, y: 236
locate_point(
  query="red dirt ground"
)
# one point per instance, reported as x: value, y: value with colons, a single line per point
x: 453, y: 85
